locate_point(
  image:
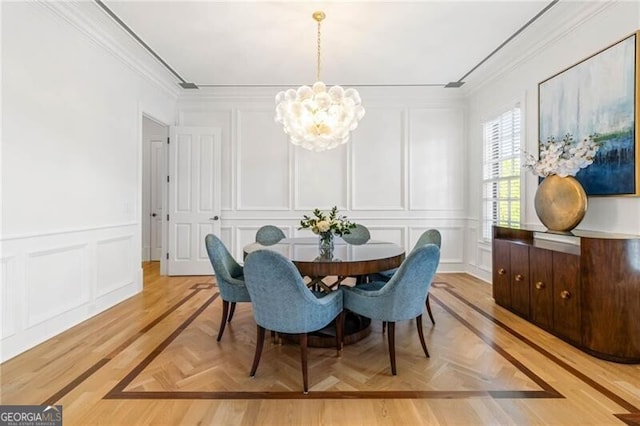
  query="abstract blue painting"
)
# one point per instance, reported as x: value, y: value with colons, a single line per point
x: 597, y: 96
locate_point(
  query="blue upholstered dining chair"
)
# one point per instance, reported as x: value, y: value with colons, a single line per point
x: 230, y: 279
x: 401, y: 298
x: 283, y: 303
x: 430, y: 236
x: 269, y: 235
x: 358, y: 235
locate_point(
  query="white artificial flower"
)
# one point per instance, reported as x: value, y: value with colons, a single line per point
x: 323, y: 226
x: 562, y: 158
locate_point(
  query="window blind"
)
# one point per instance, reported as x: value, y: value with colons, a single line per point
x: 501, y: 171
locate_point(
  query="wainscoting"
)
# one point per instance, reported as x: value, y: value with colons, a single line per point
x: 402, y: 172
x: 53, y: 281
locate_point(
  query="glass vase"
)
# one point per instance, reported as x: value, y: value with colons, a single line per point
x: 325, y: 245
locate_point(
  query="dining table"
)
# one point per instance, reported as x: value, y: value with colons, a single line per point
x: 327, y: 272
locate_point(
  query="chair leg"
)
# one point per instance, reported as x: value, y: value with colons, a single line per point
x: 339, y: 332
x: 303, y: 359
x: 258, y: 354
x: 429, y: 310
x: 223, y: 321
x: 391, y: 335
x: 424, y: 345
x: 384, y: 326
x: 233, y: 309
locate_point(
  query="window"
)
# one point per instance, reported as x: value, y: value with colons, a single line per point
x: 501, y: 176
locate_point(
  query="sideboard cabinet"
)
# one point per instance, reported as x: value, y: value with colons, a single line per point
x: 583, y: 288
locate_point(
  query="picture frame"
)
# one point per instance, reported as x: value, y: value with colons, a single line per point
x: 599, y: 96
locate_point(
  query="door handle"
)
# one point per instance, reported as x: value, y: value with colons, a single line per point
x: 215, y: 218
x: 154, y: 214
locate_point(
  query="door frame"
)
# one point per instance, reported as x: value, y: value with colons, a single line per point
x: 146, y: 195
x: 142, y: 113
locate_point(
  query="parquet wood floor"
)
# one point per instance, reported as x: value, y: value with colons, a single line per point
x: 154, y: 360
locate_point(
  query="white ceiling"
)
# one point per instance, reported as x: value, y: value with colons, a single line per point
x: 238, y: 43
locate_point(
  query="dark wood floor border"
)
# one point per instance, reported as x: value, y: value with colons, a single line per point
x: 98, y: 365
x: 630, y: 419
x: 75, y: 382
x: 493, y: 345
x: 119, y: 392
x: 572, y: 370
x: 181, y: 395
x: 122, y: 384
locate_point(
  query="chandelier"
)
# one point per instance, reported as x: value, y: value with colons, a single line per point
x: 316, y: 118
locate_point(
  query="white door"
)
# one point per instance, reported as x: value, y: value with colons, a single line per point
x: 155, y: 198
x: 194, y: 198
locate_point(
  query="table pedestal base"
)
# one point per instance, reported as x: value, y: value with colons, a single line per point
x: 356, y: 328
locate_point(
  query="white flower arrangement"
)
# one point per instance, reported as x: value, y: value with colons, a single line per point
x: 322, y: 223
x: 563, y: 158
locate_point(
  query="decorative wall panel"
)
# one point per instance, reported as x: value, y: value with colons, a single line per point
x: 56, y: 281
x: 114, y: 265
x: 452, y: 242
x: 320, y: 178
x: 7, y: 300
x: 436, y: 174
x: 244, y: 235
x: 378, y: 161
x: 389, y: 233
x: 226, y: 235
x: 263, y: 162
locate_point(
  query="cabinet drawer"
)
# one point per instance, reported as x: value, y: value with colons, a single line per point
x: 541, y: 287
x: 566, y: 296
x: 501, y: 272
x: 520, y: 279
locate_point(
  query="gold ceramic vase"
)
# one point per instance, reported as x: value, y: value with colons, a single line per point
x: 560, y: 203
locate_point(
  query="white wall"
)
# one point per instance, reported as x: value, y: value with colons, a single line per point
x: 71, y: 171
x: 600, y: 25
x: 402, y: 172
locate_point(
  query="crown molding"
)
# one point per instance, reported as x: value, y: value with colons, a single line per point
x: 371, y: 95
x: 564, y: 18
x: 90, y: 20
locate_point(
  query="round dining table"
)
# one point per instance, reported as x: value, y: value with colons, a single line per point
x: 347, y: 260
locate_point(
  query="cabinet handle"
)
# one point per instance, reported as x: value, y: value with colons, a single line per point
x: 540, y: 285
x: 565, y: 294
x: 519, y: 277
x: 501, y: 271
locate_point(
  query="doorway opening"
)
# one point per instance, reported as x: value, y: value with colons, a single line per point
x: 154, y: 139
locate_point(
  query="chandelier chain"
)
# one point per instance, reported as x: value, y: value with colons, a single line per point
x: 318, y: 65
